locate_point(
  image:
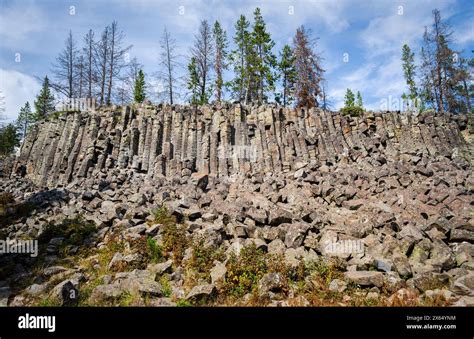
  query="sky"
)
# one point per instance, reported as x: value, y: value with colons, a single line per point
x: 359, y: 40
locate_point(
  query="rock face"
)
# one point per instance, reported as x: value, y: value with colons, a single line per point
x: 174, y: 142
x: 390, y: 195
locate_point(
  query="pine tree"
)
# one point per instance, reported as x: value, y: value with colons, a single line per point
x: 220, y: 44
x: 409, y: 72
x: 351, y: 106
x: 349, y: 98
x: 309, y: 70
x: 9, y: 139
x: 440, y: 74
x: 239, y: 58
x: 203, y: 52
x: 25, y: 119
x: 428, y: 93
x: 264, y: 60
x: 465, y: 77
x: 139, y: 90
x: 44, y: 103
x: 359, y: 100
x: 193, y: 82
x: 288, y: 75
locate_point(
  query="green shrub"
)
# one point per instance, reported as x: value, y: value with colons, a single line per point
x: 163, y: 216
x: 244, y: 271
x: 202, y: 259
x: 154, y: 250
x: 74, y: 231
x: 165, y: 286
x: 183, y: 303
x: 354, y: 111
x: 175, y: 241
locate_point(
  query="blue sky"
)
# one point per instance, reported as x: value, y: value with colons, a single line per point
x: 371, y: 32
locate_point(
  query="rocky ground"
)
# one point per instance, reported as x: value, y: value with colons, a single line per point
x: 136, y: 206
x: 259, y: 240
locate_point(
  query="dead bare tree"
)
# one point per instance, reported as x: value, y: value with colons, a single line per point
x: 80, y: 76
x: 126, y: 83
x: 116, y: 57
x: 101, y: 50
x: 64, y: 69
x: 168, y: 63
x: 309, y: 70
x: 203, y: 51
x: 88, y: 52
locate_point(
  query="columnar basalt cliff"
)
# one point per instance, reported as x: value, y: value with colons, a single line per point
x: 174, y: 142
x: 166, y: 205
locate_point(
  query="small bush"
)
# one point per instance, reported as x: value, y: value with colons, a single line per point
x: 354, y: 111
x: 163, y: 216
x: 202, y: 259
x: 154, y: 250
x: 325, y: 271
x: 244, y: 271
x: 175, y: 241
x: 165, y: 286
x: 183, y: 303
x: 74, y: 231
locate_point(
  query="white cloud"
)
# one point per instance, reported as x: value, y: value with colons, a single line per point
x: 17, y: 88
x: 375, y: 81
x: 464, y: 34
x: 381, y: 75
x: 17, y: 23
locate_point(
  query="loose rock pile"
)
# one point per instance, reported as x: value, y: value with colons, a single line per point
x: 369, y: 210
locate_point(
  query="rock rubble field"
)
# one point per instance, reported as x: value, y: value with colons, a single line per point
x: 235, y: 205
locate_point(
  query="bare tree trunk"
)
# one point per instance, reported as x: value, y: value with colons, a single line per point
x: 81, y: 76
x: 170, y: 76
x: 89, y: 54
x: 104, y: 50
x: 112, y: 64
x: 203, y: 52
x: 71, y: 65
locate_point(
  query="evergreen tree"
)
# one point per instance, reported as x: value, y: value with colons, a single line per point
x: 9, y: 139
x: 24, y: 120
x: 239, y: 58
x: 264, y: 60
x: 309, y: 70
x: 349, y: 98
x: 139, y: 90
x: 359, y: 100
x: 465, y: 76
x: 351, y: 107
x: 409, y: 72
x: 44, y: 103
x: 288, y: 75
x: 439, y: 72
x: 193, y: 82
x: 220, y: 44
x: 465, y: 88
